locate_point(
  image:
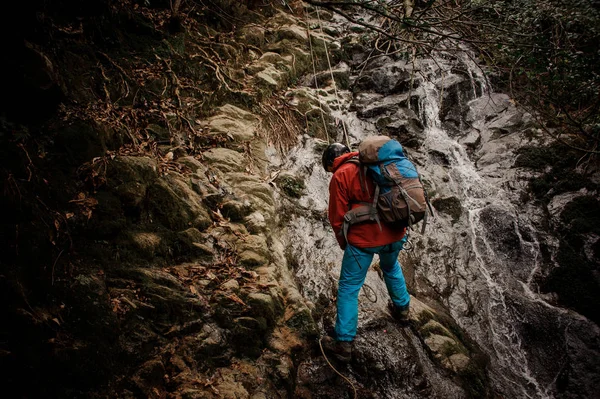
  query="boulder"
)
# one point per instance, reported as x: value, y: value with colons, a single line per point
x: 224, y: 159
x: 129, y: 177
x: 387, y: 79
x: 404, y: 125
x: 341, y: 76
x: 176, y: 205
x: 233, y: 123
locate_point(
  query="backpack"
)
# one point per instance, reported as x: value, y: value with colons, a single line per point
x: 399, y: 198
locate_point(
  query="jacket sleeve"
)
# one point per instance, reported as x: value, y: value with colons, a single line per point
x: 338, y: 206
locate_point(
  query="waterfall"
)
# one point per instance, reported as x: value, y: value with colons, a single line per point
x: 481, y: 266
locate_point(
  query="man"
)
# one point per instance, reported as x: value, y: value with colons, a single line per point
x: 364, y: 241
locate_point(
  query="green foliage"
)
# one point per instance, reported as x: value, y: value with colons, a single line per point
x: 546, y: 53
x: 291, y: 185
x: 557, y: 164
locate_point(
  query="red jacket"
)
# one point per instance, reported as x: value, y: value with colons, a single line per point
x: 345, y: 191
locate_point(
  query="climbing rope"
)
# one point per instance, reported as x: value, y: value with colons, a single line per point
x: 366, y: 288
x: 337, y: 98
x: 312, y: 56
x: 334, y: 369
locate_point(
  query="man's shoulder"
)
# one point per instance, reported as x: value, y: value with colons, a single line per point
x: 349, y: 165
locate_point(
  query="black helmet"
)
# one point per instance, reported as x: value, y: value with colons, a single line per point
x: 331, y: 153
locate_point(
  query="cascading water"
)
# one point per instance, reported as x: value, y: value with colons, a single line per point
x: 480, y: 263
x: 489, y: 275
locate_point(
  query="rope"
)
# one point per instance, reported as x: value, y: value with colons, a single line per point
x: 334, y: 369
x: 312, y: 56
x: 331, y: 74
x: 366, y: 288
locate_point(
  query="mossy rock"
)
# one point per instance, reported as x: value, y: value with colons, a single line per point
x: 292, y: 186
x: 147, y: 244
x: 194, y: 242
x: 224, y: 159
x: 299, y: 318
x: 252, y: 34
x: 262, y: 305
x: 235, y: 211
x: 234, y: 123
x: 176, y: 205
x: 129, y: 177
x: 450, y: 206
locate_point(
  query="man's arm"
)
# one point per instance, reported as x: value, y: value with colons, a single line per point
x: 338, y: 206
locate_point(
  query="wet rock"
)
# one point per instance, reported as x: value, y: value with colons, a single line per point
x: 386, y: 79
x: 404, y: 125
x: 502, y: 235
x: 471, y: 140
x: 457, y: 92
x: 508, y: 122
x: 487, y: 106
x: 384, y: 106
x: 176, y: 205
x: 450, y: 206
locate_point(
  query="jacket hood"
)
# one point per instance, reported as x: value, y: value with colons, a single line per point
x: 341, y: 159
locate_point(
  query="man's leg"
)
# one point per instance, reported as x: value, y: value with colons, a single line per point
x: 392, y: 274
x: 355, y: 265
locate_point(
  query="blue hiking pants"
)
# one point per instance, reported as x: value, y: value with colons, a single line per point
x: 355, y: 265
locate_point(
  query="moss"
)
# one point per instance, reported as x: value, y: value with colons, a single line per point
x: 449, y: 349
x: 450, y: 206
x: 424, y: 317
x: 435, y: 328
x: 292, y: 186
x: 475, y: 381
x: 558, y: 163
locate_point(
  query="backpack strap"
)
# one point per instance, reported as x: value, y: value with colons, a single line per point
x: 363, y: 213
x: 362, y: 173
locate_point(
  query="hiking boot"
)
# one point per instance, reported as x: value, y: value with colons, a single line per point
x: 341, y: 350
x: 400, y: 313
